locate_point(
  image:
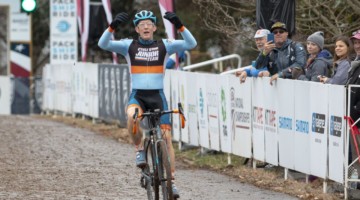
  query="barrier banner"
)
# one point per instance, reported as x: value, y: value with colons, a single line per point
x: 21, y: 96
x: 49, y: 88
x: 90, y: 80
x: 192, y: 111
x: 286, y: 122
x: 37, y: 100
x: 175, y: 99
x: 240, y: 100
x: 183, y: 94
x: 5, y: 95
x: 302, y: 126
x: 63, y: 100
x: 319, y: 102
x: 212, y: 88
x: 271, y: 98
x: 202, y: 110
x: 78, y: 88
x: 114, y: 91
x: 336, y: 132
x: 258, y: 113
x: 225, y: 114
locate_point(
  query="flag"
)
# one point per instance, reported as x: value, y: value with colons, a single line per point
x: 83, y: 11
x: 107, y: 8
x: 168, y: 6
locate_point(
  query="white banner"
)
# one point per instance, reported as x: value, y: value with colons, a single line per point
x: 271, y: 98
x: 63, y: 32
x: 20, y: 26
x: 286, y: 122
x: 240, y: 99
x: 91, y: 88
x: 225, y: 114
x: 5, y: 95
x: 183, y: 88
x: 202, y: 110
x: 212, y: 88
x: 258, y: 117
x: 336, y: 133
x: 49, y: 87
x: 63, y: 88
x: 175, y: 99
x: 192, y: 108
x: 319, y: 125
x: 302, y: 127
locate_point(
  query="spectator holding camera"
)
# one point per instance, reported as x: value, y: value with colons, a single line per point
x: 283, y: 56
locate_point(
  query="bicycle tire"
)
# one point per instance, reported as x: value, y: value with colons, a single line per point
x: 148, y: 182
x: 153, y: 169
x: 164, y: 171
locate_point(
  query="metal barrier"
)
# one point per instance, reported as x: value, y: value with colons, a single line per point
x: 215, y: 60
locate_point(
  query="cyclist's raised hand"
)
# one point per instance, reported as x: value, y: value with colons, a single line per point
x: 120, y: 18
x: 171, y: 16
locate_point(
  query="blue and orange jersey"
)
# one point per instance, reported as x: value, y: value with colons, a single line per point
x: 147, y: 63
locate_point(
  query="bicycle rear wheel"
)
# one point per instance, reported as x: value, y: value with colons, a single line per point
x: 164, y: 171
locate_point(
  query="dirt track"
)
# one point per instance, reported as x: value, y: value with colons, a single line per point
x: 41, y: 159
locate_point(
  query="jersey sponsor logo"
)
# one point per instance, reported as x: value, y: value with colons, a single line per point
x: 147, y: 54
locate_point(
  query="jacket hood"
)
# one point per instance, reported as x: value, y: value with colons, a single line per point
x: 326, y: 56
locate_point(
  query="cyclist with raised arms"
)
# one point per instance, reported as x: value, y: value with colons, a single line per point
x: 147, y: 60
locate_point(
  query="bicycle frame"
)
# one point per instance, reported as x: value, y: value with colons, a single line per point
x: 161, y: 171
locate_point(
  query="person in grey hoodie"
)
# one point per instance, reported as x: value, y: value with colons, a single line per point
x: 319, y: 60
x: 341, y: 62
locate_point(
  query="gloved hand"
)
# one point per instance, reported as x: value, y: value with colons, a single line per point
x: 120, y: 18
x: 173, y: 19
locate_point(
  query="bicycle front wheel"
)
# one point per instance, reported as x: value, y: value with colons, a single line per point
x: 164, y: 170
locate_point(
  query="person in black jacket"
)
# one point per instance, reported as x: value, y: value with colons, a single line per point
x: 354, y: 79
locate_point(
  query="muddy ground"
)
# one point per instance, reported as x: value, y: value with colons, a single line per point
x: 41, y: 158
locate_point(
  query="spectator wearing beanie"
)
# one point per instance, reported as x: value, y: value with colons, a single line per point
x: 319, y: 60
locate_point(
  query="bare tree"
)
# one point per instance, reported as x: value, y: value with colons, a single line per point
x: 235, y: 19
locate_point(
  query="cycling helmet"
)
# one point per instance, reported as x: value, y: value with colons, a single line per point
x: 144, y: 14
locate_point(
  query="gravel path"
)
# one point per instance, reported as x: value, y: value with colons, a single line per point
x: 41, y: 159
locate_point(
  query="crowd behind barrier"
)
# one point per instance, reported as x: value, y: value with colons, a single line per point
x: 297, y: 125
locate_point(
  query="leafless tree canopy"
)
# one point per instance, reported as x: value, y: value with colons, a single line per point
x: 236, y: 19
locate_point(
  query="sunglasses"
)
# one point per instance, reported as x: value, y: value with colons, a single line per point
x: 279, y: 31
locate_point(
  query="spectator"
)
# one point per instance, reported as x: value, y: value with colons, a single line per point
x: 260, y: 40
x: 354, y: 79
x: 283, y: 56
x: 341, y: 64
x: 356, y: 42
x: 319, y: 60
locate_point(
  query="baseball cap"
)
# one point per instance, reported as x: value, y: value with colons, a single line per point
x: 279, y: 25
x: 356, y: 35
x: 261, y: 33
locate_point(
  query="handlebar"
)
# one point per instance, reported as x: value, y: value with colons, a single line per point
x: 158, y: 113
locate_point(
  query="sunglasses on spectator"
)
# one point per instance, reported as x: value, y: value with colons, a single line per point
x: 279, y: 31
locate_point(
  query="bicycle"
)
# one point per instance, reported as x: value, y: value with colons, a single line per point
x: 157, y: 171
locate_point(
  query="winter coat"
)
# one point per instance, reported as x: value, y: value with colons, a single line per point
x: 279, y: 60
x: 354, y: 79
x: 340, y: 75
x: 320, y: 66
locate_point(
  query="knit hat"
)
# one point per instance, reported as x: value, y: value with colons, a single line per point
x: 261, y: 33
x: 356, y: 35
x: 317, y: 38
